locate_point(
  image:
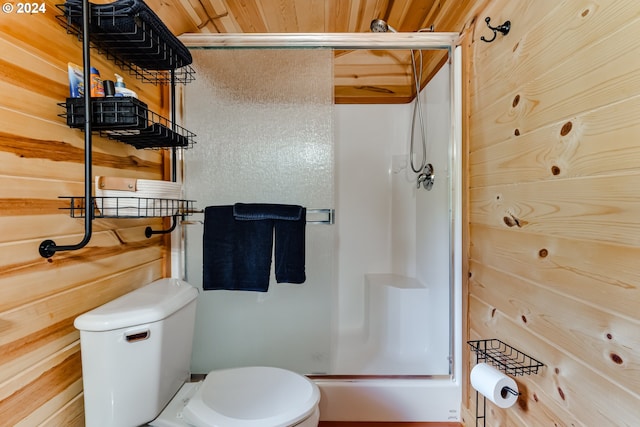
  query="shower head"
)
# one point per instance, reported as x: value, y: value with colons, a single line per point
x: 381, y: 26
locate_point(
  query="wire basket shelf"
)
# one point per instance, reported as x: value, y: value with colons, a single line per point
x: 128, y: 207
x: 504, y: 357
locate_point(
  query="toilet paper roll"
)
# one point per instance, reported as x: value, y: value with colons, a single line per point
x: 494, y: 385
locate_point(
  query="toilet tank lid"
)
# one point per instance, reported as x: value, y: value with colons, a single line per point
x: 150, y: 303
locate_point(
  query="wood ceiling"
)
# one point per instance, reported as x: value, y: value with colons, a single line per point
x: 360, y: 76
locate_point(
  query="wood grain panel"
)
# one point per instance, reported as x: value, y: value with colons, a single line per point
x: 280, y: 16
x: 599, y: 338
x: 553, y: 206
x: 52, y: 407
x: 539, y: 36
x: 39, y: 227
x: 534, y: 406
x: 43, y: 326
x: 595, y: 143
x: 70, y: 415
x: 247, y: 14
x: 586, y: 270
x: 311, y: 14
x: 41, y: 158
x: 106, y: 254
x: 604, y: 209
x: 607, y: 75
x: 571, y: 390
x: 33, y: 388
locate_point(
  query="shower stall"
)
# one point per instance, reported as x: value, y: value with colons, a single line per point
x: 377, y: 323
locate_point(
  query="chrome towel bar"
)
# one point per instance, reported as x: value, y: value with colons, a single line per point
x: 314, y: 216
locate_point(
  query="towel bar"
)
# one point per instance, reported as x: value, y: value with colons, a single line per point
x: 312, y: 216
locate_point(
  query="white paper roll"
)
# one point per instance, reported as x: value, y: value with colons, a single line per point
x: 492, y: 384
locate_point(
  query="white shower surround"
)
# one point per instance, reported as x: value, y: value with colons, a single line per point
x: 436, y: 399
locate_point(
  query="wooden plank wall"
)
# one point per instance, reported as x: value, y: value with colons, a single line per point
x: 554, y: 206
x: 40, y: 159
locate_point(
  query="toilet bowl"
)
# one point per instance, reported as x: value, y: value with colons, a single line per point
x: 136, y: 354
x: 244, y: 397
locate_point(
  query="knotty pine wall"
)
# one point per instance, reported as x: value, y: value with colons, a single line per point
x: 554, y: 206
x: 40, y: 159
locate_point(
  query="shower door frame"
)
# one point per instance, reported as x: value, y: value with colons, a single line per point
x: 374, y: 41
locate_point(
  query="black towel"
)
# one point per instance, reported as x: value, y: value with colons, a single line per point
x: 290, y: 241
x: 289, y: 222
x: 233, y: 258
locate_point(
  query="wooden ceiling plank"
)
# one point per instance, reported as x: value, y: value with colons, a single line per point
x: 416, y: 14
x: 176, y: 16
x: 279, y: 16
x: 310, y: 15
x: 354, y: 16
x: 337, y: 14
x: 396, y: 13
x: 368, y: 11
x: 221, y: 21
x: 317, y: 16
x: 247, y: 15
x: 380, y: 10
x: 197, y: 12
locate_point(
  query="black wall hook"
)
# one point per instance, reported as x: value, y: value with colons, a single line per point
x: 504, y: 29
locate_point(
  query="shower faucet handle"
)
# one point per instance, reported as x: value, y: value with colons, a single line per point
x: 421, y: 178
x: 426, y: 177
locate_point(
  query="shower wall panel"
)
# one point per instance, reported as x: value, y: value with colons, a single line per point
x: 264, y: 125
x: 389, y: 227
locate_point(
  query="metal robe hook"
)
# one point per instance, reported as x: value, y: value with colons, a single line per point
x: 504, y: 29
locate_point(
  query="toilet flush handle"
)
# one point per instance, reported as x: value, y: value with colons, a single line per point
x: 137, y: 336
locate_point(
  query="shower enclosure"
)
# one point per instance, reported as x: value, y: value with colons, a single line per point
x: 379, y: 316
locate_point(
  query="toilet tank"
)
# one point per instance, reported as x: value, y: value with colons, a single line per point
x: 136, y: 353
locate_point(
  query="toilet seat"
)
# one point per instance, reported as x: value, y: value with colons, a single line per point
x: 252, y: 396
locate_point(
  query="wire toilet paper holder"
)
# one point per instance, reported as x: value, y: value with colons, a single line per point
x: 505, y: 358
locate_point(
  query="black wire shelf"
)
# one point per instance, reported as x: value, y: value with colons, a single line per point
x: 128, y: 120
x: 504, y: 357
x: 128, y: 207
x: 134, y: 38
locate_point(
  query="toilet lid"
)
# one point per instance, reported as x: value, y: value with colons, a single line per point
x: 252, y: 396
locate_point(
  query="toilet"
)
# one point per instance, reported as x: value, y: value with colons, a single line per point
x: 136, y: 355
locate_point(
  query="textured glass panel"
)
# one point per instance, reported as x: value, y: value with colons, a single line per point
x: 263, y: 120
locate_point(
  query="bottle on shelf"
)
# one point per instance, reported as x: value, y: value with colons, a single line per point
x: 121, y: 89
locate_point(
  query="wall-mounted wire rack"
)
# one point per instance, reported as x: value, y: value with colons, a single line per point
x: 505, y: 358
x: 128, y: 207
x: 128, y: 120
x: 131, y: 35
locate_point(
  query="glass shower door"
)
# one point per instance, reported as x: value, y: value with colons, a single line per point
x: 265, y: 136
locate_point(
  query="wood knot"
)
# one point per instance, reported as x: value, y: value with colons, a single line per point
x: 542, y: 253
x: 566, y: 128
x: 616, y: 359
x: 516, y: 101
x: 512, y: 221
x: 555, y: 170
x: 516, y: 132
x: 509, y: 221
x: 561, y: 393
